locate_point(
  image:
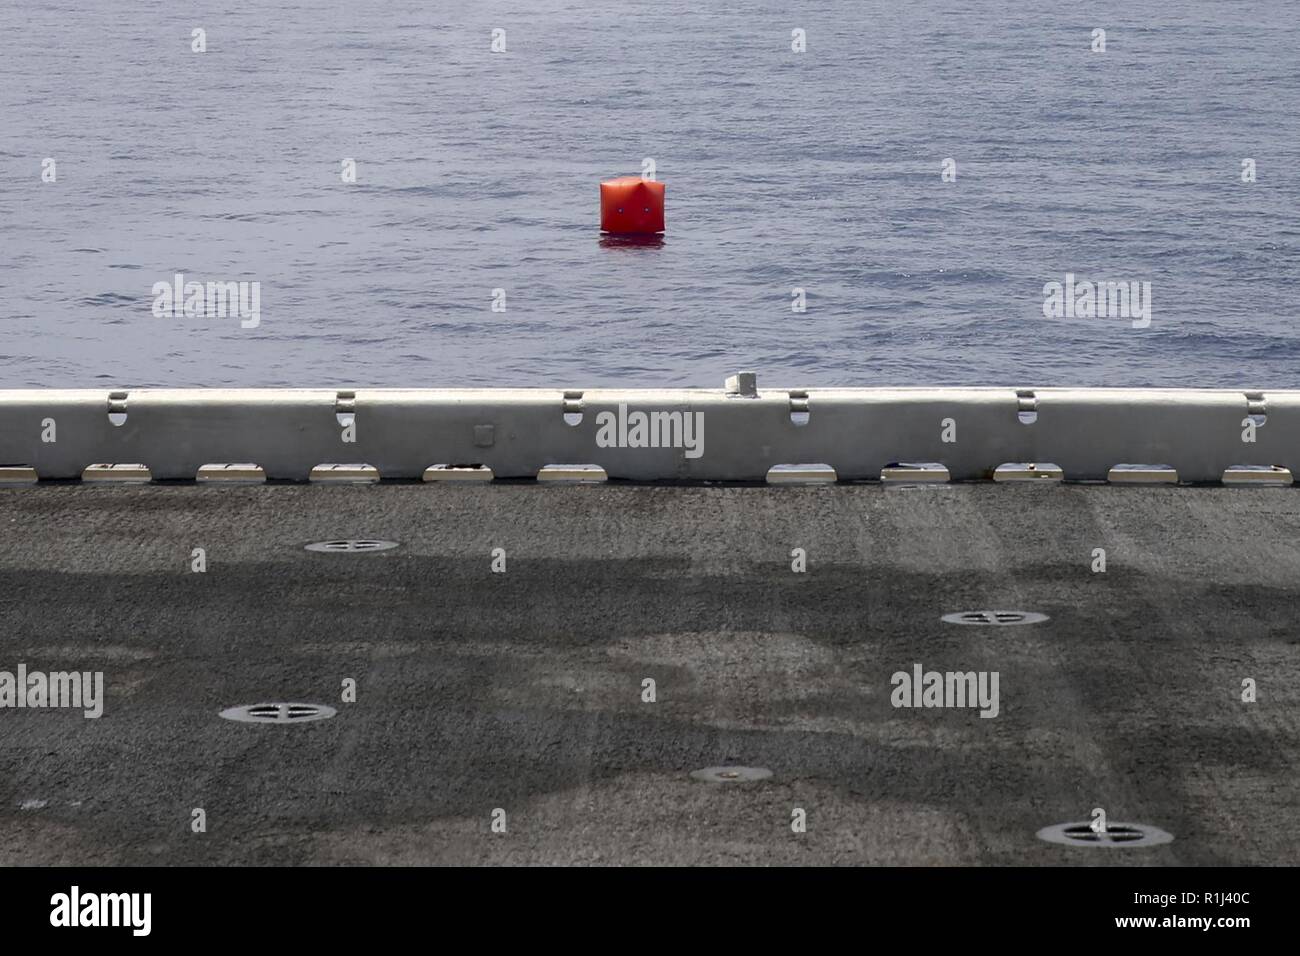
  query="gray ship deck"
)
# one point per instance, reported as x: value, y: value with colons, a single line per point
x: 522, y: 690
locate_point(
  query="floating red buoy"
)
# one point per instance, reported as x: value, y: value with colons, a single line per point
x: 631, y: 204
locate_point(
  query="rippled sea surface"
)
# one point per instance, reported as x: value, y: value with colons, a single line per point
x: 479, y: 171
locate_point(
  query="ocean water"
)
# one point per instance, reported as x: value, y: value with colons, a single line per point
x: 818, y: 170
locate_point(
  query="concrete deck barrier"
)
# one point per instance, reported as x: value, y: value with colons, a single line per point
x: 733, y: 434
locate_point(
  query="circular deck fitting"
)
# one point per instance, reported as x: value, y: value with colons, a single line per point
x: 1115, y: 835
x: 351, y: 546
x: 278, y: 713
x: 994, y: 618
x: 731, y: 774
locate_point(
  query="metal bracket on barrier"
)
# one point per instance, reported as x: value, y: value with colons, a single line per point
x: 1026, y: 406
x: 799, y: 411
x: 742, y: 385
x: 345, y: 407
x: 117, y: 407
x: 573, y: 408
x: 1256, y: 407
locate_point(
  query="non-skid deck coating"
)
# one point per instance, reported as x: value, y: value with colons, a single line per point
x: 522, y: 690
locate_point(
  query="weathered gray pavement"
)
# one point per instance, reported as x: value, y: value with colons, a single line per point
x: 523, y: 690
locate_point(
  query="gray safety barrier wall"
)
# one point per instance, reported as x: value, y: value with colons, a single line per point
x: 746, y: 430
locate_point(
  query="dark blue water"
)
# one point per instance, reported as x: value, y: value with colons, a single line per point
x: 819, y: 170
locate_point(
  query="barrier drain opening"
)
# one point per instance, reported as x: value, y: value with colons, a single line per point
x: 338, y: 471
x: 17, y: 474
x: 1134, y: 474
x: 731, y: 774
x: 1257, y: 475
x: 351, y: 546
x: 580, y: 474
x: 795, y: 474
x: 914, y: 472
x: 1115, y: 835
x: 1028, y: 471
x: 231, y: 472
x: 279, y: 713
x: 458, y: 473
x: 994, y: 618
x: 116, y: 471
